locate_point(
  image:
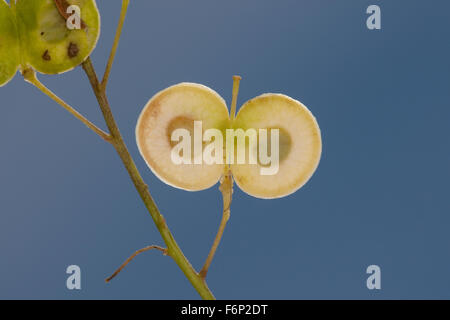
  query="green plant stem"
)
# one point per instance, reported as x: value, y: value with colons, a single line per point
x: 30, y: 76
x: 115, y: 138
x: 173, y: 250
x: 112, y: 55
x: 236, y: 84
x: 226, y: 187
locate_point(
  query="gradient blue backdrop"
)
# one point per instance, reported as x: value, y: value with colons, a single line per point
x: 380, y: 195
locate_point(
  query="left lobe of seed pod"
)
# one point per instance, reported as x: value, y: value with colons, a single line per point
x: 9, y: 44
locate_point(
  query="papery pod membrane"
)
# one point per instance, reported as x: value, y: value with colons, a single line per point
x: 180, y: 107
x: 49, y: 46
x: 9, y: 44
x: 299, y: 152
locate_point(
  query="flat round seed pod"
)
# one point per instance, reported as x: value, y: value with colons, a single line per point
x: 169, y: 128
x: 299, y: 148
x: 9, y: 44
x: 50, y: 43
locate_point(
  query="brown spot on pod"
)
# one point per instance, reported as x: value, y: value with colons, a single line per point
x: 73, y: 50
x: 46, y: 56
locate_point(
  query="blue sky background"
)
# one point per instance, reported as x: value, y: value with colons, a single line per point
x: 380, y: 195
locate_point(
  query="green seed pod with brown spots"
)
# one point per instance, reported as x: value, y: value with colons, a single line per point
x: 50, y: 36
x: 51, y: 44
x: 9, y: 44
